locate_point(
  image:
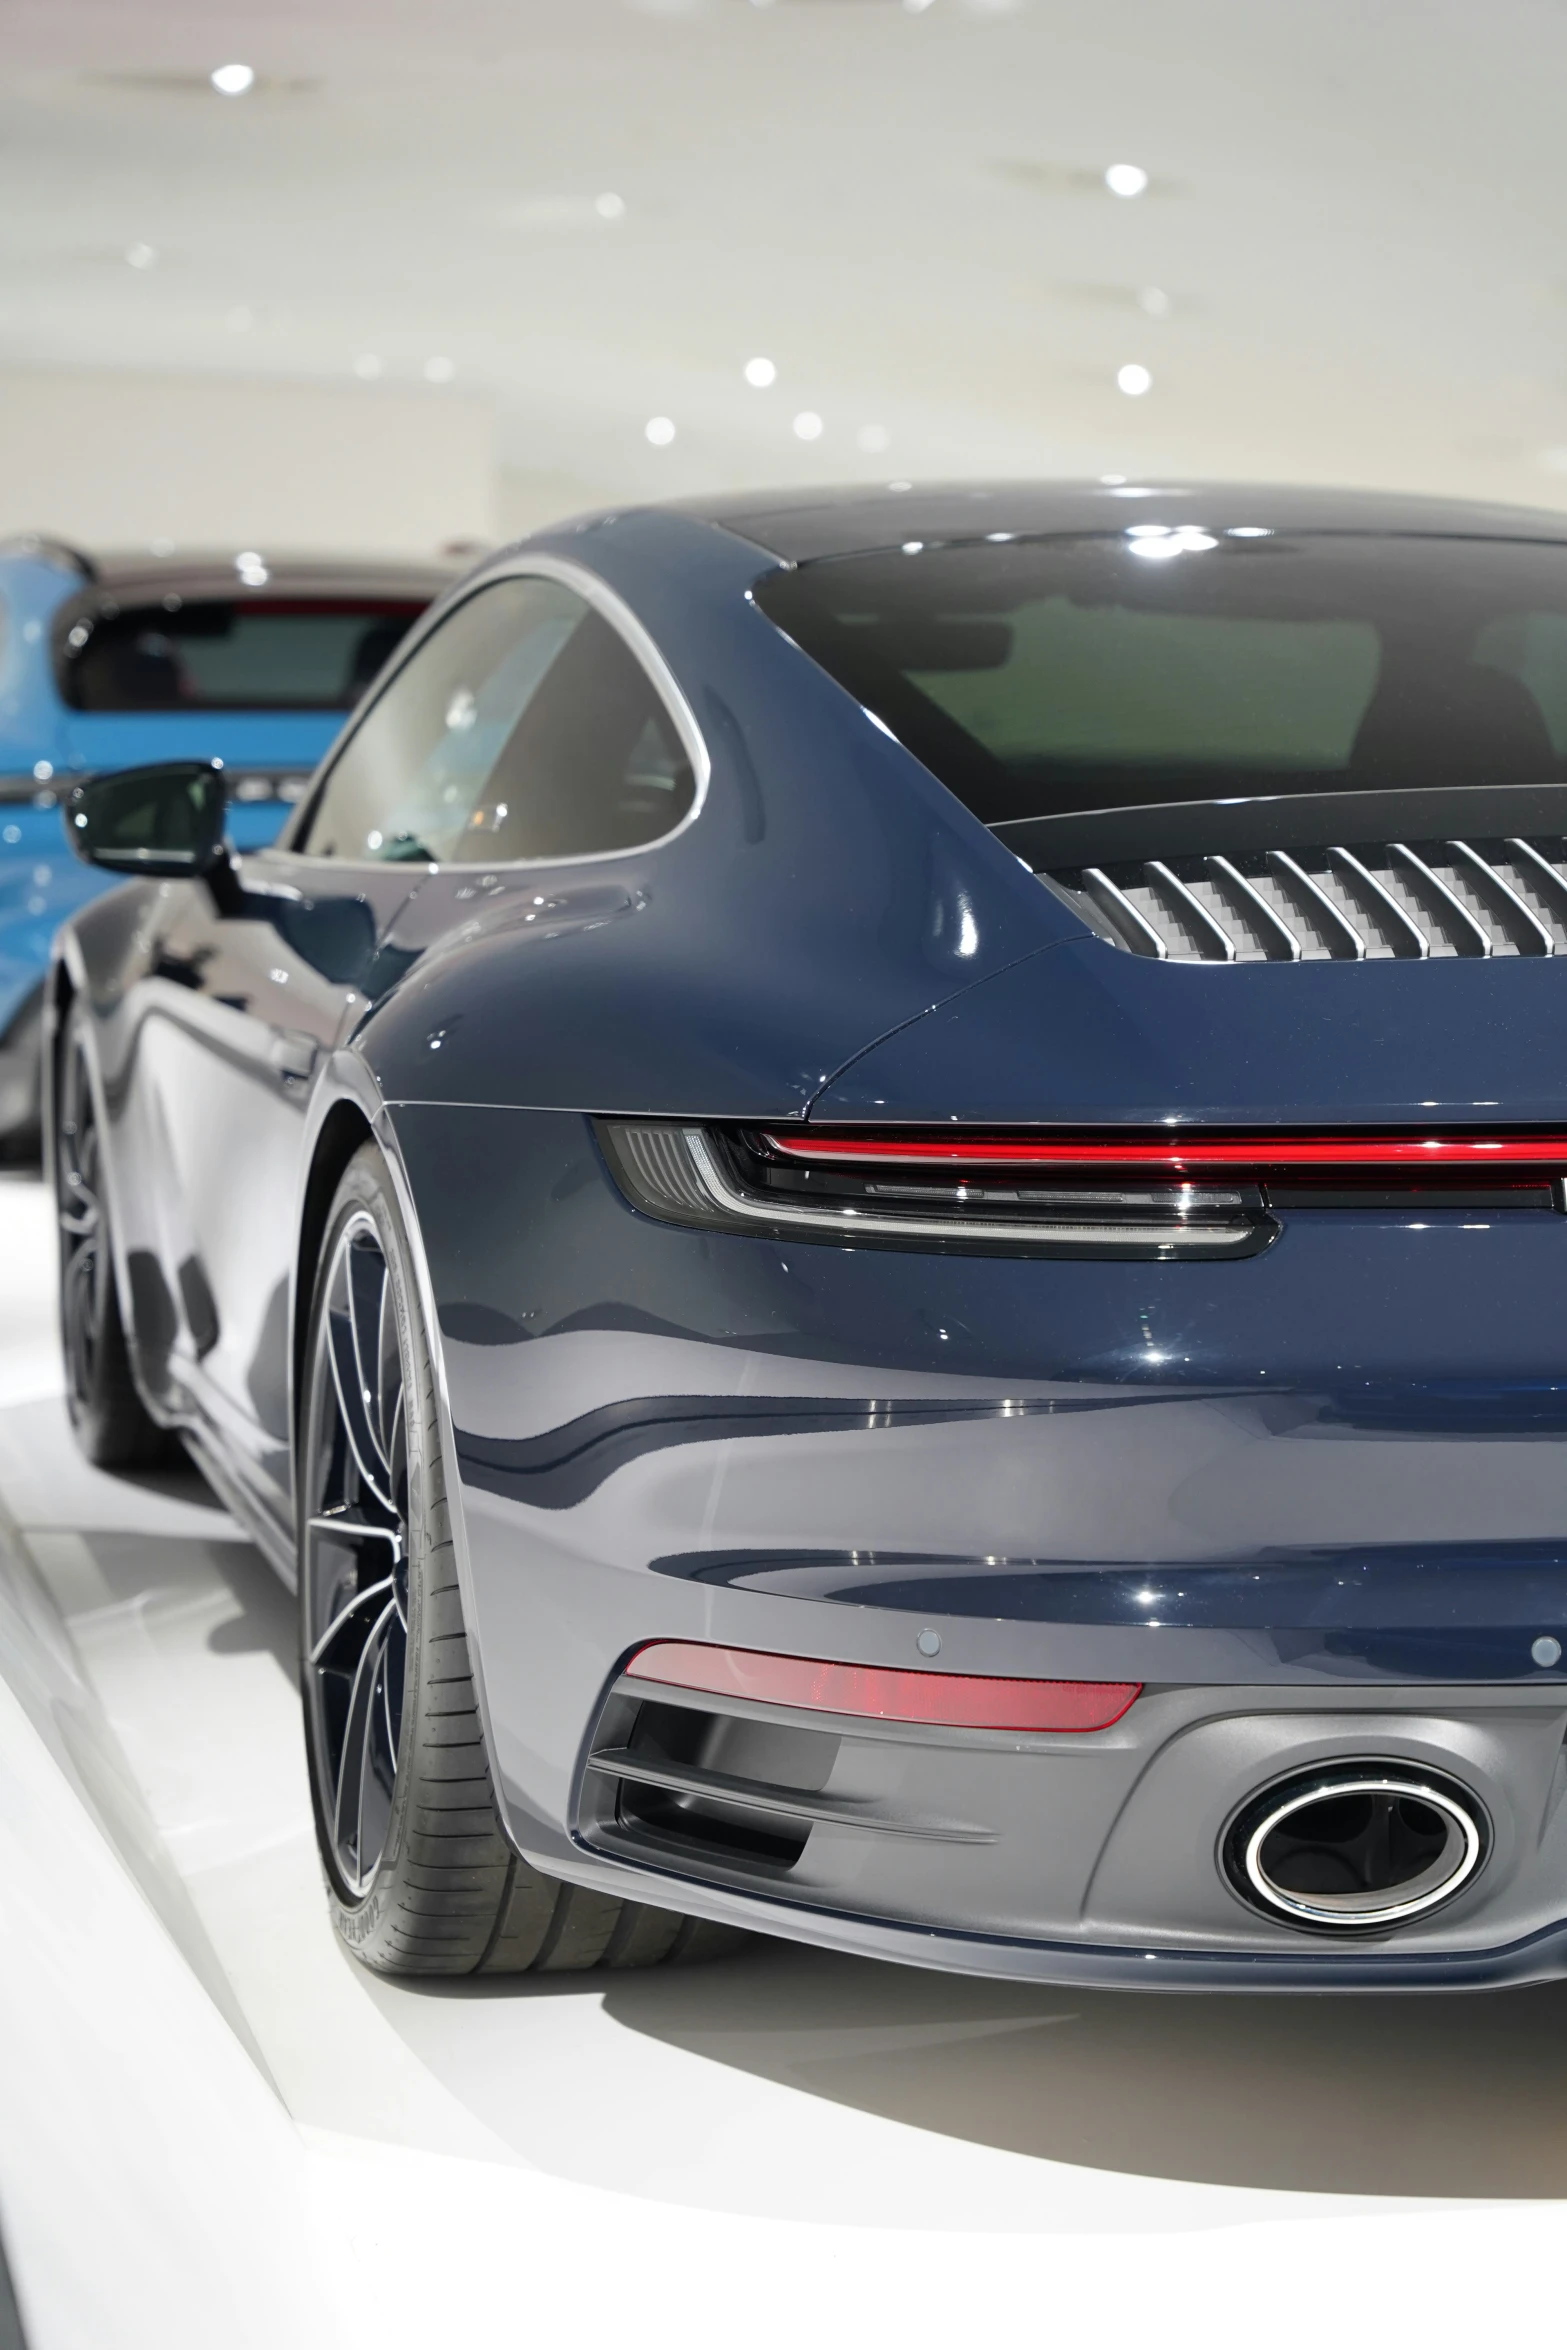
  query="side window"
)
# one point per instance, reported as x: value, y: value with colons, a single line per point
x: 523, y: 727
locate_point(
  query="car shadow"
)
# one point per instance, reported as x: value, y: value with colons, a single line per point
x: 266, y: 1619
x: 1403, y: 2096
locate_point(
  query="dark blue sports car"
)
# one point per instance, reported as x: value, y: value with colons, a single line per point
x: 872, y: 1199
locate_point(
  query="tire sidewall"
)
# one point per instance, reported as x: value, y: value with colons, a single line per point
x: 366, y: 1189
x: 95, y: 1413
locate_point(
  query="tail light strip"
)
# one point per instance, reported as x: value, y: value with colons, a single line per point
x: 1460, y: 1154
x: 884, y: 1693
x: 691, y: 1175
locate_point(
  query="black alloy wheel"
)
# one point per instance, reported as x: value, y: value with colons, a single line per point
x: 112, y: 1425
x: 421, y: 1878
x: 356, y: 1554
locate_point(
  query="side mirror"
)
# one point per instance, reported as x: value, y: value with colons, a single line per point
x: 162, y: 822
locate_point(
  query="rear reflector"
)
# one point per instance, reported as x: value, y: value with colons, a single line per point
x: 953, y: 1701
x: 1190, y: 1155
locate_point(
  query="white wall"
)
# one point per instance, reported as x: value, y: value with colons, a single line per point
x: 120, y: 458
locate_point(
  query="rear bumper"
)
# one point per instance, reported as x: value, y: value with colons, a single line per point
x: 1060, y: 1857
x: 1311, y: 1502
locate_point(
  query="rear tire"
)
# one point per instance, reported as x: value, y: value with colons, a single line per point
x: 113, y: 1426
x: 420, y: 1877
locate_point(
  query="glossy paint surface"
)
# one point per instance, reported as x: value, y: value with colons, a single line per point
x: 830, y: 891
x: 1341, y: 1456
x: 1092, y: 1036
x: 1313, y: 1497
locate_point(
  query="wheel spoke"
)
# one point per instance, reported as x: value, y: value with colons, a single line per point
x: 81, y: 1218
x: 346, y: 1615
x: 356, y: 1742
x: 389, y: 1379
x: 355, y: 1529
x: 378, y: 1771
x: 367, y: 1284
x: 351, y: 1405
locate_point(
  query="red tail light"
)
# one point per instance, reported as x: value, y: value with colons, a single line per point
x: 1178, y: 1158
x: 954, y: 1701
x: 885, y: 1193
x: 1189, y: 1195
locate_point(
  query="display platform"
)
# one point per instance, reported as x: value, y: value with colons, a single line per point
x: 216, y: 2127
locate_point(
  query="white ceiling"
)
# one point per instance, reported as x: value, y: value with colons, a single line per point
x: 1348, y: 263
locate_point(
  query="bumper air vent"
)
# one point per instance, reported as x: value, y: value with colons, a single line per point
x: 707, y: 1760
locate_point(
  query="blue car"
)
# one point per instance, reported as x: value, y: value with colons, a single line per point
x: 871, y: 1201
x: 107, y: 662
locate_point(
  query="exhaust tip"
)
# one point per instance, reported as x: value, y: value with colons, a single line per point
x: 1354, y: 1846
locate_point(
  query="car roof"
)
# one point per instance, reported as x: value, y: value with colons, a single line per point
x: 806, y: 526
x: 204, y: 573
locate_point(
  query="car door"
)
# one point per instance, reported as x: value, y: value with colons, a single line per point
x: 244, y: 993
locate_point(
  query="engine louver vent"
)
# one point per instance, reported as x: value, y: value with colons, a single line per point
x: 1377, y: 901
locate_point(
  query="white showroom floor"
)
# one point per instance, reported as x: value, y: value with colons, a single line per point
x: 215, y: 2129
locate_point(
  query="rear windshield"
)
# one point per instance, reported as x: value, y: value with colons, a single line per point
x: 299, y: 653
x: 1047, y: 676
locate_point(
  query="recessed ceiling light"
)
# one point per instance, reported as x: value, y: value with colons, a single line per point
x: 808, y: 425
x: 1126, y: 179
x: 873, y: 439
x: 198, y: 84
x: 760, y: 373
x: 439, y: 370
x: 609, y: 206
x: 141, y: 256
x: 1154, y: 302
x: 1249, y: 530
x: 232, y: 81
x: 660, y: 430
x: 1133, y: 380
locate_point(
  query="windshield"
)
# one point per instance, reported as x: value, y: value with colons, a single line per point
x: 1048, y: 676
x: 294, y: 653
